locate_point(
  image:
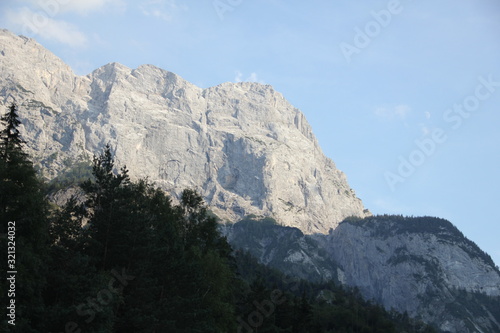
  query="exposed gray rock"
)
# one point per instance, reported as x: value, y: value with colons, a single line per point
x: 423, y: 266
x: 241, y: 145
x: 284, y: 248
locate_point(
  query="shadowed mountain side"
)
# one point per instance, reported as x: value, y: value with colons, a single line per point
x: 422, y: 266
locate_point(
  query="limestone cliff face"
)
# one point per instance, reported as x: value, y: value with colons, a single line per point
x: 241, y: 145
x: 422, y: 266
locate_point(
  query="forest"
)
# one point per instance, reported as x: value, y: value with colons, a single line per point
x: 123, y: 256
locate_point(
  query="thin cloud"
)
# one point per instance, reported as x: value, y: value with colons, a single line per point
x: 30, y: 22
x: 424, y: 129
x: 400, y: 111
x: 81, y: 7
x: 238, y: 77
x: 162, y: 9
x: 253, y: 77
x: 157, y: 13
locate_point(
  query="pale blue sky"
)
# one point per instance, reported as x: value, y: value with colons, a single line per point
x: 372, y: 78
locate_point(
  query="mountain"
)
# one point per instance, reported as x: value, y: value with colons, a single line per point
x: 421, y: 266
x: 241, y: 145
x: 253, y: 157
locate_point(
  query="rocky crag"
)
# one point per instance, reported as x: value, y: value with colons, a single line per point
x: 241, y: 145
x: 423, y: 266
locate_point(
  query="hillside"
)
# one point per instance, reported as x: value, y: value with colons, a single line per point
x: 421, y: 266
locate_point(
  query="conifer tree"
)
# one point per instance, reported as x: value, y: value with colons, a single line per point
x: 106, y: 205
x: 11, y: 142
x: 22, y: 202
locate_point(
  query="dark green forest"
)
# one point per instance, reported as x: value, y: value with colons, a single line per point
x: 123, y: 257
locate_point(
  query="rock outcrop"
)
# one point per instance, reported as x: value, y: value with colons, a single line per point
x: 241, y: 145
x: 423, y: 266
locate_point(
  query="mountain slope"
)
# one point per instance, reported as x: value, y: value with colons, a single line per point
x: 242, y: 146
x: 422, y: 266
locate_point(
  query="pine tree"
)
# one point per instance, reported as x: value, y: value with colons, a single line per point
x: 22, y: 202
x: 11, y: 142
x: 106, y: 207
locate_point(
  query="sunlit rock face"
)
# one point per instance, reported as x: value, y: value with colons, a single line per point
x: 241, y: 145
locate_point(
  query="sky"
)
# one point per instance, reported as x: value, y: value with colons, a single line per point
x: 403, y: 95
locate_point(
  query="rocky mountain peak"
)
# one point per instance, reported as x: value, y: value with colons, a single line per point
x: 241, y: 145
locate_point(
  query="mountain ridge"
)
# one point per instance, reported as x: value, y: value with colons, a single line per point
x: 241, y: 145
